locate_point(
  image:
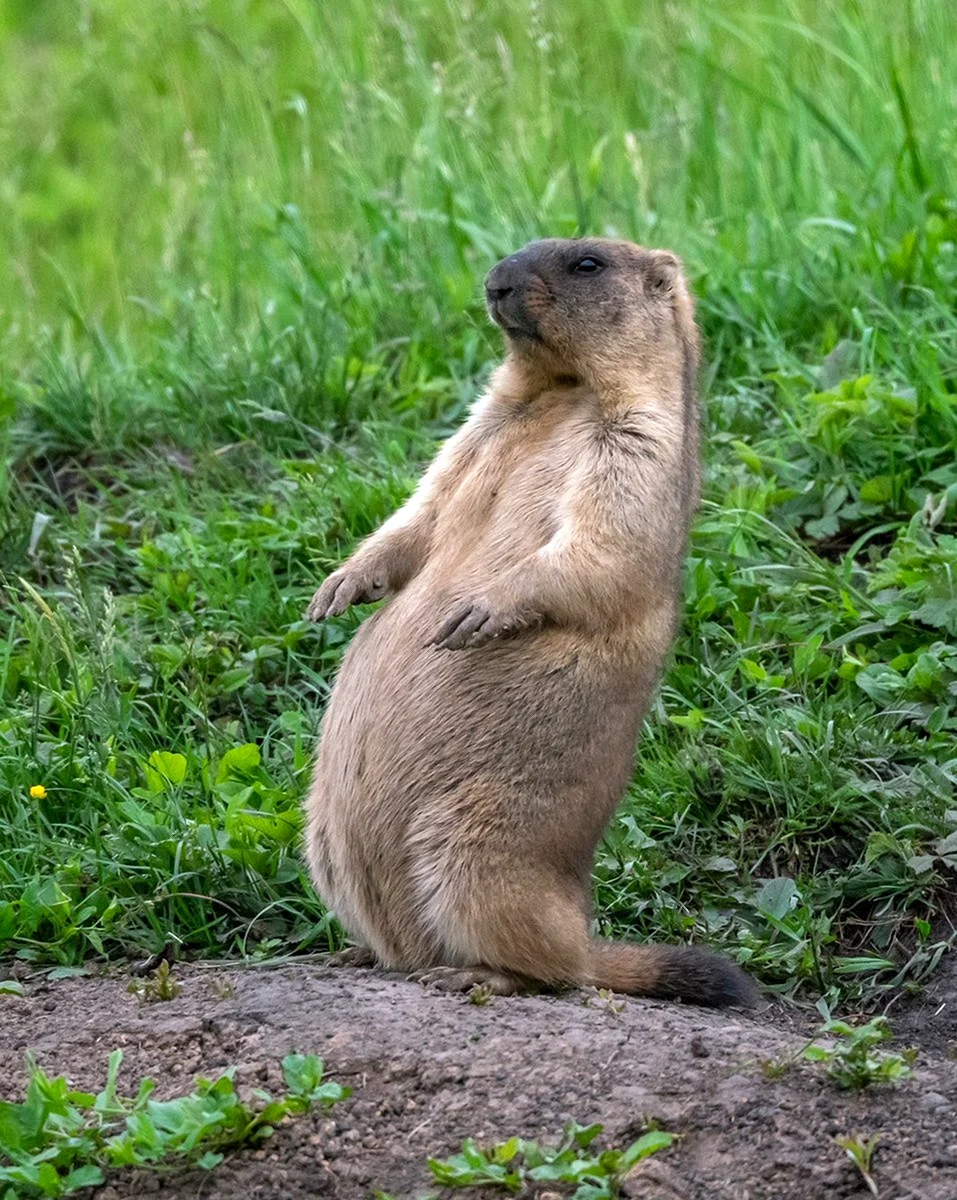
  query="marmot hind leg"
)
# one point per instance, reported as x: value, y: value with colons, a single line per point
x: 524, y: 932
x: 463, y: 979
x: 521, y: 929
x: 353, y: 956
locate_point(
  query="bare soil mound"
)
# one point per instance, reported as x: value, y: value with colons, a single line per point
x: 430, y: 1069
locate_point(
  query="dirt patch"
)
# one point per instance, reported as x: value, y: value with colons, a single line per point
x: 930, y: 1021
x: 429, y: 1069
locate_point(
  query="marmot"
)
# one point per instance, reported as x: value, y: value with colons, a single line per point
x: 483, y: 724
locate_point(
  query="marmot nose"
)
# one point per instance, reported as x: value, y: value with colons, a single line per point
x: 502, y: 280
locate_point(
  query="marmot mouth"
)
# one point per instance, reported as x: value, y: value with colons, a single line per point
x: 509, y: 326
x: 507, y: 323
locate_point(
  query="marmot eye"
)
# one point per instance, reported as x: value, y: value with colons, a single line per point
x: 586, y: 266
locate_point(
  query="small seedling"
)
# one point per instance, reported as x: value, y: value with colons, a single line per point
x: 160, y: 986
x: 774, y: 1068
x: 607, y: 999
x: 60, y: 1141
x: 852, y: 1061
x: 513, y: 1165
x: 221, y: 986
x: 860, y: 1152
x: 480, y: 994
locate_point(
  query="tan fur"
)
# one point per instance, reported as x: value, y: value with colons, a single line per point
x: 482, y: 727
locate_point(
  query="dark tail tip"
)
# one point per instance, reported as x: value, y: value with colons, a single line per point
x: 703, y: 977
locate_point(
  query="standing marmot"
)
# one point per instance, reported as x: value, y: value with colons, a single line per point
x: 483, y: 724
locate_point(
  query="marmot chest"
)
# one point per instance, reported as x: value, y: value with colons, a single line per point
x: 507, y: 503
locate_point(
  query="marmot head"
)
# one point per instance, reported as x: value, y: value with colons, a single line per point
x: 590, y: 306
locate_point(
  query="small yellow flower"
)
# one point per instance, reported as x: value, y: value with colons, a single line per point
x: 38, y: 791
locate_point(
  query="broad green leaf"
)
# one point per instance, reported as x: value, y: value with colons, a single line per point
x: 238, y: 761
x: 164, y: 768
x: 877, y: 490
x: 882, y: 683
x: 648, y: 1144
x: 777, y: 897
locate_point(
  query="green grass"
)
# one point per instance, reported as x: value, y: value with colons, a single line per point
x: 58, y: 1141
x: 852, y: 1061
x: 515, y: 1165
x: 241, y: 248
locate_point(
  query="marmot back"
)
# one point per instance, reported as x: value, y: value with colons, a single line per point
x: 482, y: 727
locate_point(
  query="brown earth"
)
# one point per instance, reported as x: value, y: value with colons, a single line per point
x: 429, y: 1069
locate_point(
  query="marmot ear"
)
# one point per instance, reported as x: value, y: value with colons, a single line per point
x: 662, y: 271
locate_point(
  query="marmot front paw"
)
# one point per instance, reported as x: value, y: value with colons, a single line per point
x: 479, y: 621
x: 344, y: 587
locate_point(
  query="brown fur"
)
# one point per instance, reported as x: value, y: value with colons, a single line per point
x: 483, y: 724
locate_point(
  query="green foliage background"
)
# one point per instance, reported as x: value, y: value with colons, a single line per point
x: 240, y: 253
